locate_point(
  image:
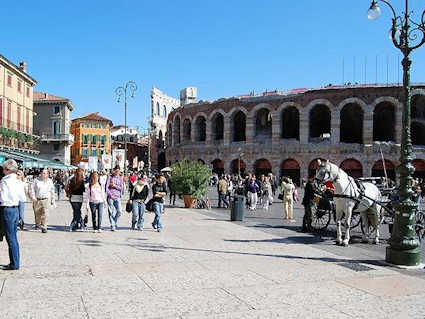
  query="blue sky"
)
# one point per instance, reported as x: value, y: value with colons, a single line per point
x: 83, y: 50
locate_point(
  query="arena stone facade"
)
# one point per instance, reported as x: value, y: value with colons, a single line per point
x: 285, y: 132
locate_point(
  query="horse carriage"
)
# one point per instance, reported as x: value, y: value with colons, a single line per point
x: 358, y: 201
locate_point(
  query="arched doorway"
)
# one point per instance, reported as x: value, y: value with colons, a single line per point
x: 234, y: 166
x: 378, y: 169
x: 313, y: 166
x: 187, y: 130
x: 239, y: 127
x: 262, y: 166
x: 263, y: 124
x: 352, y: 167
x: 218, y: 166
x: 161, y: 160
x: 290, y: 168
x: 419, y: 168
x: 418, y: 132
x: 217, y: 125
x: 290, y: 123
x: 320, y: 123
x: 351, y: 129
x: 201, y: 129
x: 384, y: 122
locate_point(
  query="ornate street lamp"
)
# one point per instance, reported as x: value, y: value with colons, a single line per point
x: 407, y: 35
x: 129, y: 88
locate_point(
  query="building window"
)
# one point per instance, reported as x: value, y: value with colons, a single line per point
x: 93, y: 152
x: 27, y: 121
x: 102, y: 139
x: 85, y: 139
x: 56, y: 110
x: 19, y: 86
x: 56, y: 147
x: 56, y: 128
x: 85, y: 152
x: 9, y: 80
x: 28, y: 92
x: 18, y: 118
x: 9, y: 113
x: 94, y: 139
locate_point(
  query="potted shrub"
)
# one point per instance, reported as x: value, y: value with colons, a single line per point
x: 190, y: 180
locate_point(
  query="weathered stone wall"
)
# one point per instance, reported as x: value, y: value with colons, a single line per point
x: 277, y: 149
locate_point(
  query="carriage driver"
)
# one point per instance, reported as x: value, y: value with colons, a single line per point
x: 307, y: 203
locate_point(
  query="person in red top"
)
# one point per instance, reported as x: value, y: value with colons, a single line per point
x: 132, y: 181
x: 329, y: 186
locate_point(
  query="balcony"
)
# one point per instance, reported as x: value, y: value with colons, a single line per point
x: 67, y: 138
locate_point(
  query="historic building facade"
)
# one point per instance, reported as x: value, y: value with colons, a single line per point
x: 161, y: 106
x: 286, y: 132
x: 52, y: 125
x: 16, y: 106
x: 92, y: 137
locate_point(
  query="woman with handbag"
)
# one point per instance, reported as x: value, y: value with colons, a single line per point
x: 75, y: 192
x: 96, y: 201
x: 138, y: 199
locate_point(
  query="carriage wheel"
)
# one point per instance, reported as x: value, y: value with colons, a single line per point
x: 320, y: 218
x: 420, y: 225
x: 355, y: 220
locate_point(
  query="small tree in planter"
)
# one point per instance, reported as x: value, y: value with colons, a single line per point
x: 190, y: 179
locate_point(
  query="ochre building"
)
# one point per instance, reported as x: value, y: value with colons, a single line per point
x: 286, y: 132
x: 92, y: 137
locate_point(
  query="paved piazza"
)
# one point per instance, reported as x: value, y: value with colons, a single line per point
x: 199, y: 267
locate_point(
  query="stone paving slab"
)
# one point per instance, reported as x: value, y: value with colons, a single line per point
x: 197, y: 267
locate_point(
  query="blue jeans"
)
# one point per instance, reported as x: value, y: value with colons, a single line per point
x: 76, y: 218
x: 157, y: 208
x: 21, y: 209
x: 114, y: 210
x: 10, y: 219
x: 58, y: 189
x: 96, y: 214
x: 138, y: 211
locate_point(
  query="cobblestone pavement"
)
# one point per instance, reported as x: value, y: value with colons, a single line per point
x: 198, y: 267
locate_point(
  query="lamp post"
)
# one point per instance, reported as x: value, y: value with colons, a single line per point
x: 407, y: 35
x: 129, y: 88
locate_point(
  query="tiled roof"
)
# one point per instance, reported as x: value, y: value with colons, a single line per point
x: 48, y: 97
x: 94, y: 117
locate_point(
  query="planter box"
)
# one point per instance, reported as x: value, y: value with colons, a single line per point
x: 189, y: 201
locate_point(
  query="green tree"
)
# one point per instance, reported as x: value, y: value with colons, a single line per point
x: 190, y: 178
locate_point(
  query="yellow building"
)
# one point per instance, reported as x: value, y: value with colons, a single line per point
x: 92, y: 137
x: 16, y: 105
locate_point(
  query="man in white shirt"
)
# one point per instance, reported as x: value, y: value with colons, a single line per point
x: 43, y: 197
x: 11, y: 192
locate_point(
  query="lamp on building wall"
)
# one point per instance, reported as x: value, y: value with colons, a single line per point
x: 123, y: 91
x: 407, y: 36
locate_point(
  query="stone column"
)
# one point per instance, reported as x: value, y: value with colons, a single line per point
x: 368, y: 125
x: 227, y: 131
x: 276, y: 127
x: 250, y: 129
x: 304, y: 127
x: 335, y: 126
x: 208, y: 132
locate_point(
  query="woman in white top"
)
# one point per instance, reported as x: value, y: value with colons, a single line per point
x: 96, y: 201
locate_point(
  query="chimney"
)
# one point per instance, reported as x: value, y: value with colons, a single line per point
x: 23, y: 66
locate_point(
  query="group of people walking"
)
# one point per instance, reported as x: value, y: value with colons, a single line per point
x: 95, y: 192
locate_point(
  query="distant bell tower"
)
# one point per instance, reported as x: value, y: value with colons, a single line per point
x: 188, y: 95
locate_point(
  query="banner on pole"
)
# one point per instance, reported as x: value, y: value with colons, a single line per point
x: 93, y: 163
x: 107, y: 161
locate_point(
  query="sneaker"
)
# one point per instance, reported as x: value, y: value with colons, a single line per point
x: 292, y: 221
x: 44, y: 230
x: 153, y: 226
x: 113, y: 228
x: 36, y: 227
x: 139, y: 228
x: 159, y: 230
x: 100, y: 230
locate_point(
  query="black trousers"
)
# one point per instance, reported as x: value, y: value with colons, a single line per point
x: 222, y: 198
x: 307, y: 217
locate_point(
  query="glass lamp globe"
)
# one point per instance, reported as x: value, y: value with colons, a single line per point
x: 374, y: 12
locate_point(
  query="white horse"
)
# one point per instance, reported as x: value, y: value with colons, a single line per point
x: 367, y: 201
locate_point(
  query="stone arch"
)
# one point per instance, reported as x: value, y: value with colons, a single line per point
x: 351, y: 125
x: 217, y: 166
x: 187, y: 129
x: 235, y: 165
x: 253, y: 112
x: 352, y: 167
x: 378, y: 169
x: 384, y: 121
x: 238, y: 120
x: 200, y: 128
x: 291, y: 168
x: 313, y: 166
x: 263, y: 123
x: 217, y: 126
x: 262, y: 166
x: 176, y: 130
x: 290, y: 122
x: 319, y: 123
x: 419, y: 165
x: 319, y: 102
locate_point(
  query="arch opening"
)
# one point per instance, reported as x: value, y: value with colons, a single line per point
x: 201, y: 129
x: 320, y: 123
x: 384, y: 122
x: 263, y: 124
x: 290, y: 123
x: 378, y: 169
x: 351, y: 129
x: 218, y: 166
x: 352, y: 167
x: 236, y: 166
x: 262, y: 167
x: 418, y: 119
x: 239, y: 127
x: 187, y: 130
x: 217, y: 127
x: 290, y: 168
